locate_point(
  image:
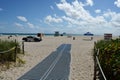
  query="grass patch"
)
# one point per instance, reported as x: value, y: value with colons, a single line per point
x: 10, y: 51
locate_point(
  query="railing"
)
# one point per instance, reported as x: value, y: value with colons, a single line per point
x: 7, y: 51
x: 14, y: 49
x: 98, y: 72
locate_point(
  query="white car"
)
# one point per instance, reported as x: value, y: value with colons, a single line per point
x: 31, y: 39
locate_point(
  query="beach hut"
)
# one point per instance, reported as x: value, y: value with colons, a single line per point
x: 88, y: 36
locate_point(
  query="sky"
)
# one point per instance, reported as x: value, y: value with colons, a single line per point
x: 70, y: 16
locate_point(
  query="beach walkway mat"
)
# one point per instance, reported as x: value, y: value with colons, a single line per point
x: 54, y: 67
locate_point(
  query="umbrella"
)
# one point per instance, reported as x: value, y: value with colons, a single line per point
x: 88, y: 34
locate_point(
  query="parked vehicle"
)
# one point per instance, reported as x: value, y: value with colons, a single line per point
x: 31, y: 39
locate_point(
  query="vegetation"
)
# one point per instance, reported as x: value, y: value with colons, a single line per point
x: 109, y: 56
x: 9, y: 51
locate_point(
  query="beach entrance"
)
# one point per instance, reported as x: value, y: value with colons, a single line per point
x: 54, y: 67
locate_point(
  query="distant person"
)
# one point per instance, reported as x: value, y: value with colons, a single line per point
x: 40, y: 35
x: 91, y: 38
x: 73, y: 38
x: 9, y: 36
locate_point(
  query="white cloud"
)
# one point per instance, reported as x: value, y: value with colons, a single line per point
x: 112, y: 19
x: 22, y: 18
x: 109, y: 15
x: 98, y: 11
x: 50, y: 19
x: 68, y: 19
x: 30, y: 25
x: 72, y: 21
x: 1, y: 9
x: 117, y: 3
x: 78, y: 18
x: 115, y: 24
x: 115, y: 20
x: 89, y: 2
x: 18, y: 25
x: 77, y: 15
x: 74, y: 10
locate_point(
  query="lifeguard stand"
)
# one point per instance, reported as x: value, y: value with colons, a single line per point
x: 56, y: 33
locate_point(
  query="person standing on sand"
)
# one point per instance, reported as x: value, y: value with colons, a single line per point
x: 73, y: 38
x: 40, y: 35
x: 91, y: 38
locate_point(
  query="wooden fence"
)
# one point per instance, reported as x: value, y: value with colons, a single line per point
x: 14, y: 49
x: 98, y: 72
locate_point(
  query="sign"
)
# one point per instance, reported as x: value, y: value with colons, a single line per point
x: 107, y: 36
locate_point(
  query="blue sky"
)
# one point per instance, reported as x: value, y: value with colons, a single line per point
x: 70, y: 16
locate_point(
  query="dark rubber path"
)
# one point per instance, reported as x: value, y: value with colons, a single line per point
x: 54, y: 67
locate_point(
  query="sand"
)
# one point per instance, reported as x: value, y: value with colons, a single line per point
x: 81, y: 66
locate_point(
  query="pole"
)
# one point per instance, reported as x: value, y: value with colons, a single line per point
x: 23, y: 47
x: 95, y: 64
x: 15, y: 51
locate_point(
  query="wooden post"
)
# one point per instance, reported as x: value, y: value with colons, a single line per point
x: 15, y: 51
x: 95, y: 67
x: 23, y: 47
x: 95, y: 64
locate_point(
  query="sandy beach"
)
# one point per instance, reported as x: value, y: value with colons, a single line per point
x: 81, y: 66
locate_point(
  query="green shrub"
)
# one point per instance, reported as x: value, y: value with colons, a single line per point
x: 8, y: 45
x: 109, y: 57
